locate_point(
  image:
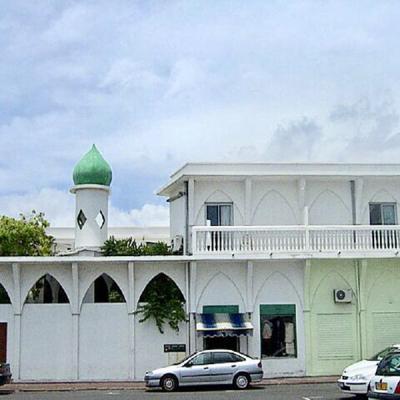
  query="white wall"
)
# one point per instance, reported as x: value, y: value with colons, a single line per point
x: 279, y: 283
x: 275, y: 203
x: 379, y: 190
x: 218, y: 191
x: 220, y: 283
x: 104, y: 342
x: 46, y: 342
x: 177, y: 217
x: 329, y: 202
x: 149, y: 344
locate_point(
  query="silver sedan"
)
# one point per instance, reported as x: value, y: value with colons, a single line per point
x: 209, y: 367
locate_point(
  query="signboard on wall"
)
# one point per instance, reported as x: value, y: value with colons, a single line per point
x: 174, y: 348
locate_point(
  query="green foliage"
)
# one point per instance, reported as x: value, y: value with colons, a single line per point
x: 162, y: 301
x: 25, y: 236
x: 129, y: 247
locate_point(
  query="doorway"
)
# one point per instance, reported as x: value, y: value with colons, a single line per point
x: 221, y: 342
x: 3, y: 342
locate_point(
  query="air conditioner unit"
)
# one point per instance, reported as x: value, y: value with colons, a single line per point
x: 343, y: 295
x: 177, y: 243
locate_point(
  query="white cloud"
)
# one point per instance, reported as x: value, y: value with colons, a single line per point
x: 157, y: 84
x: 59, y: 209
x: 148, y: 215
x: 58, y: 206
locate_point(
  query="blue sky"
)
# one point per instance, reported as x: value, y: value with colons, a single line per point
x: 157, y: 84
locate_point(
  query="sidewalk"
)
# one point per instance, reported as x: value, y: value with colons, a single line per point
x: 127, y: 385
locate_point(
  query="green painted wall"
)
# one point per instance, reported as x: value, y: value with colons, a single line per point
x: 380, y: 305
x: 340, y: 334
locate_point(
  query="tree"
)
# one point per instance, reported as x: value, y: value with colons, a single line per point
x: 129, y: 247
x: 25, y: 236
x: 163, y: 302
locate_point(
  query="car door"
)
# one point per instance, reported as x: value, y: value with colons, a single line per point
x: 224, y: 366
x: 197, y: 370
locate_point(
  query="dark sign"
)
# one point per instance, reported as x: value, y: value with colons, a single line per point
x: 174, y: 348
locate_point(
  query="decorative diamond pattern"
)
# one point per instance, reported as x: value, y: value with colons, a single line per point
x: 100, y: 220
x: 81, y: 219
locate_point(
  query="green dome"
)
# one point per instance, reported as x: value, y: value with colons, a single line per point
x: 92, y: 169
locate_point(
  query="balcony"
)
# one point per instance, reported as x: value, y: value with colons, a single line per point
x: 306, y: 239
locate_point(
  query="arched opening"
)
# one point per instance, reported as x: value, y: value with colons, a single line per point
x: 4, y: 297
x: 47, y: 290
x: 104, y: 290
x: 162, y: 301
x: 162, y: 288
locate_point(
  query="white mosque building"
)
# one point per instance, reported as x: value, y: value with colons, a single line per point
x: 295, y: 263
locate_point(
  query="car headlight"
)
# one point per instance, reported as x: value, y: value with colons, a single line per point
x: 358, y: 377
x: 149, y: 372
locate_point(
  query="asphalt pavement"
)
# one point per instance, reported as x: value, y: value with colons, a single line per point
x: 274, y: 392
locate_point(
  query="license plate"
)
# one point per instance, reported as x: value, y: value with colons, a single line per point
x: 381, y: 386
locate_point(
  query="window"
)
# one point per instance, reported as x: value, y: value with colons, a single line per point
x: 220, y: 358
x: 382, y: 214
x: 382, y: 354
x: 278, y: 330
x: 389, y: 366
x: 219, y: 214
x: 201, y: 359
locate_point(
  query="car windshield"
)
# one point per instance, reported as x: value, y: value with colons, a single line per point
x: 379, y: 356
x: 389, y: 366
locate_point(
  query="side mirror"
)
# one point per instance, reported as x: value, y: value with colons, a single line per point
x: 188, y: 365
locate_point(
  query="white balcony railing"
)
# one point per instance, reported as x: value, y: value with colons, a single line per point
x: 299, y: 238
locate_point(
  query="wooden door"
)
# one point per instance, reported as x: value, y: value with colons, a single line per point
x: 3, y: 342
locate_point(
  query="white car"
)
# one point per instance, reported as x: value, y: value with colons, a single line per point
x: 356, y: 377
x: 385, y: 384
x: 209, y: 367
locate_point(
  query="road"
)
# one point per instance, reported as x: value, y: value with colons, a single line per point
x: 278, y: 392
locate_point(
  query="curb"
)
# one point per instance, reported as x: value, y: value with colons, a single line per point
x: 86, y: 386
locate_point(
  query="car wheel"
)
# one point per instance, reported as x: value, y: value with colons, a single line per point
x: 169, y: 383
x: 241, y: 381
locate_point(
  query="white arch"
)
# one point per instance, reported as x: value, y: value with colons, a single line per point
x: 387, y: 197
x: 154, y: 277
x: 92, y: 280
x: 332, y: 194
x: 150, y: 278
x: 284, y: 201
x: 40, y: 277
x: 9, y: 288
x: 284, y: 276
x: 227, y: 199
x: 215, y: 276
x: 8, y: 293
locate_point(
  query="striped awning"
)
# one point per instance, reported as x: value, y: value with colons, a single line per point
x: 223, y: 325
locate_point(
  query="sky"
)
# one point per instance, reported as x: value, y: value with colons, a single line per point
x: 156, y: 84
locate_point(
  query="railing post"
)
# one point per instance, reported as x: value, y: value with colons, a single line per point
x: 194, y: 240
x: 307, y: 234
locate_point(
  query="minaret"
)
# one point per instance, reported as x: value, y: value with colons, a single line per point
x: 92, y: 178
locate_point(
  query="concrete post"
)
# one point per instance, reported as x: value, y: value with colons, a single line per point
x: 193, y: 302
x: 249, y: 275
x: 16, y: 270
x: 75, y: 305
x: 362, y: 292
x: 248, y: 201
x: 131, y: 318
x: 307, y: 318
